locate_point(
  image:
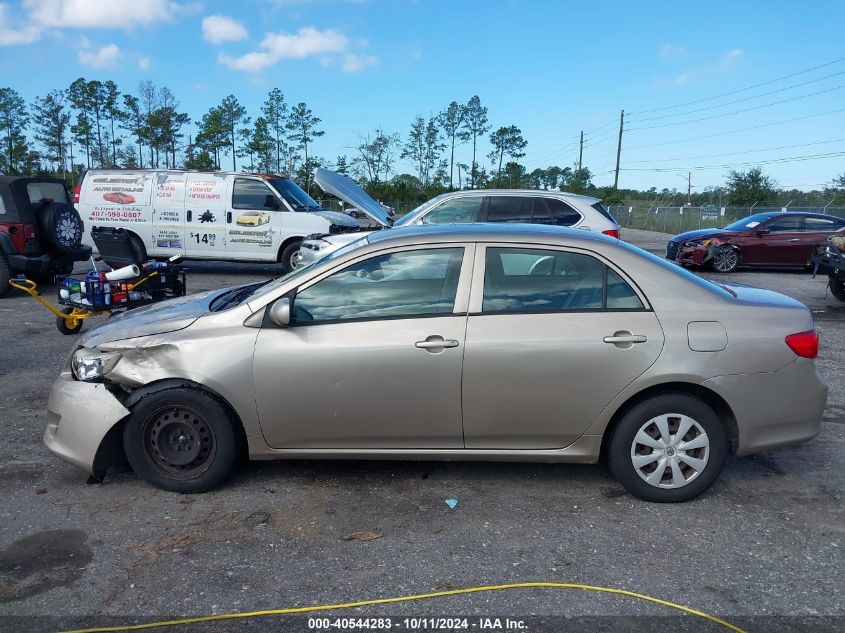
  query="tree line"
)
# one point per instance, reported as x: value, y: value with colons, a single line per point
x: 92, y: 124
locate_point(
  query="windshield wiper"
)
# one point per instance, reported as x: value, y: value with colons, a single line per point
x: 235, y: 296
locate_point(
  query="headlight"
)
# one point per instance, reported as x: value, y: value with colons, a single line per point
x: 315, y: 245
x: 91, y: 365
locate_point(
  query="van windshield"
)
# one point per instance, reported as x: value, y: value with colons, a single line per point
x: 294, y: 195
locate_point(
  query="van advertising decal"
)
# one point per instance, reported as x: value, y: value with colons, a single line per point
x: 116, y: 197
x: 263, y: 239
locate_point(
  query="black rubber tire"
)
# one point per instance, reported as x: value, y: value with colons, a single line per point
x: 61, y: 227
x: 64, y: 328
x: 286, y: 257
x: 5, y: 275
x: 212, y: 472
x: 139, y: 248
x: 729, y: 269
x: 837, y: 287
x: 619, y: 447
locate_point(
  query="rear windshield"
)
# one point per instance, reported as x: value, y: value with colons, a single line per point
x: 598, y: 206
x: 40, y: 192
x: 293, y: 194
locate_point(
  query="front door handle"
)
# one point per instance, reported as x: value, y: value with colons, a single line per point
x: 795, y: 239
x: 436, y: 342
x: 618, y: 338
x: 190, y: 215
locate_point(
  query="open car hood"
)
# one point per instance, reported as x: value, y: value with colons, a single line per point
x: 348, y: 190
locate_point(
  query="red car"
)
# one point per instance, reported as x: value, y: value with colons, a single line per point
x: 764, y: 239
x: 119, y: 198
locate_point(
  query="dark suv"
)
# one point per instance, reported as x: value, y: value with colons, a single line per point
x: 40, y: 231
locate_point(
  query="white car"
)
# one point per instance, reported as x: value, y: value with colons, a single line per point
x: 526, y: 206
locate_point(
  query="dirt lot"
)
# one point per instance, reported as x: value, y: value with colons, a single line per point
x: 762, y: 549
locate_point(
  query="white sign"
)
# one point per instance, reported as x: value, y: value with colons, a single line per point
x: 722, y: 211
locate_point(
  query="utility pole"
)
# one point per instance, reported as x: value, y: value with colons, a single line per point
x: 689, y: 188
x: 581, y: 150
x: 619, y: 149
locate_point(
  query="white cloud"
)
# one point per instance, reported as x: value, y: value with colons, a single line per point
x: 671, y: 50
x: 219, y: 28
x: 144, y: 63
x: 353, y: 63
x: 15, y: 37
x: 104, y: 57
x: 733, y: 55
x: 125, y: 14
x: 681, y: 79
x: 279, y: 46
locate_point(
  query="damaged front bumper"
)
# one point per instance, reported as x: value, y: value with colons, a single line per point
x: 79, y: 416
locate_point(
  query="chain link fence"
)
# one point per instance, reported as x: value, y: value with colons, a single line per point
x: 674, y: 220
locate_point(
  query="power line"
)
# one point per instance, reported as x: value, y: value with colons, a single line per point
x: 724, y: 114
x: 749, y: 151
x: 733, y: 92
x: 727, y: 103
x: 744, y: 129
x: 793, y: 159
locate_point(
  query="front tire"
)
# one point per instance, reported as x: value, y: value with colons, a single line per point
x: 182, y: 440
x: 726, y: 260
x: 289, y: 256
x: 668, y: 449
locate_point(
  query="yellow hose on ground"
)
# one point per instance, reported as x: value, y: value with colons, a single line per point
x: 421, y: 596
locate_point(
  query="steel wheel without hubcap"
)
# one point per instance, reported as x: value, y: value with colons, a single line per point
x: 179, y: 442
x: 725, y: 260
x: 670, y: 451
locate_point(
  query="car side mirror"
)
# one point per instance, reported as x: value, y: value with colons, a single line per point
x: 280, y: 312
x: 271, y: 202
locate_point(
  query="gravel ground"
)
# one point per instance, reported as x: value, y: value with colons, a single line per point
x: 762, y: 548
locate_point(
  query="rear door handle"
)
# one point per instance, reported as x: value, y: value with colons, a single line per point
x: 626, y: 338
x: 436, y: 342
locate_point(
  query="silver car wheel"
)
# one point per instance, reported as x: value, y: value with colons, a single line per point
x: 726, y: 260
x: 670, y: 450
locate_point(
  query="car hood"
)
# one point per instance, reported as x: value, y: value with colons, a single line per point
x: 338, y: 219
x: 702, y: 233
x: 348, y: 190
x: 158, y: 318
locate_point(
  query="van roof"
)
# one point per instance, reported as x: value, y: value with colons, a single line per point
x: 127, y: 170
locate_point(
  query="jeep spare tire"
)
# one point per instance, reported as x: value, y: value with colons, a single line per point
x: 61, y: 227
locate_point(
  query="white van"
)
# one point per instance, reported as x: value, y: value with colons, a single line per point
x: 207, y: 215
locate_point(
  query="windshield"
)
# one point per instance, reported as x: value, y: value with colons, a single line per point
x: 748, y: 223
x: 294, y: 195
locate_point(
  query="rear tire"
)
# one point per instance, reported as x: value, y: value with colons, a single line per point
x: 668, y: 449
x: 5, y: 275
x: 181, y: 439
x: 288, y: 256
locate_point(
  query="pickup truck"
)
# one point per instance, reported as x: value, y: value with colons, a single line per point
x: 829, y: 258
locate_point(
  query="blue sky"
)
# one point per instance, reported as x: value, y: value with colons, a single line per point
x: 552, y: 68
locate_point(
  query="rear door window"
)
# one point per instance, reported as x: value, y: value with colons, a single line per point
x: 817, y: 225
x: 510, y: 209
x: 542, y: 280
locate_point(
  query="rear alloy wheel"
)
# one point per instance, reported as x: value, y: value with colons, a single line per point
x: 726, y: 260
x: 668, y: 449
x: 181, y: 440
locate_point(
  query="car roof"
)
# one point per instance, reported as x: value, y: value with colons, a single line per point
x: 129, y: 170
x: 521, y: 192
x: 482, y: 232
x: 775, y: 214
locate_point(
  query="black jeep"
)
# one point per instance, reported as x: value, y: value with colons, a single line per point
x: 40, y: 231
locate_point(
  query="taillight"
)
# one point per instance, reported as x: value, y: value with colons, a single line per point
x: 76, y: 194
x: 804, y: 344
x: 613, y: 233
x: 29, y: 231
